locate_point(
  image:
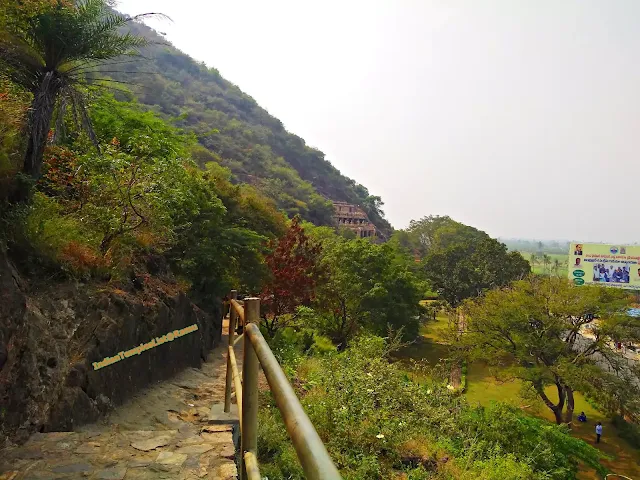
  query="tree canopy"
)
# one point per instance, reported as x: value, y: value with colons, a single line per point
x: 365, y: 287
x: 459, y: 261
x: 236, y: 132
x: 548, y: 332
x: 48, y: 53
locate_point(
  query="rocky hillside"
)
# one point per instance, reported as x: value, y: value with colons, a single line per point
x: 235, y: 131
x: 51, y: 333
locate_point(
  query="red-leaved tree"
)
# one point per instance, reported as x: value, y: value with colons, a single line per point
x: 293, y: 267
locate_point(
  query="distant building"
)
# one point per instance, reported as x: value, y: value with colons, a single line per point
x: 354, y: 218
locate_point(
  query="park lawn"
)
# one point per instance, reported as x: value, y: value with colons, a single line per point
x: 430, y: 347
x: 483, y: 388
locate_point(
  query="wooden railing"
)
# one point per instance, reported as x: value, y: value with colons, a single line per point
x: 314, y: 458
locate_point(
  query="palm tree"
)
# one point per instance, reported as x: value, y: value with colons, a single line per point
x: 556, y: 266
x: 546, y: 260
x: 533, y: 259
x: 49, y: 54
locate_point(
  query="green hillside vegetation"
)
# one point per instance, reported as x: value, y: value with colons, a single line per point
x: 234, y: 131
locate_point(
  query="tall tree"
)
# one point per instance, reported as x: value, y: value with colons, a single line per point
x: 293, y: 267
x: 556, y: 266
x: 49, y: 53
x: 421, y: 233
x: 549, y: 333
x: 367, y: 287
x: 463, y: 262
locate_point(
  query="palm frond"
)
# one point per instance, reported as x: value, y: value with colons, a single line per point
x: 56, y: 54
x: 60, y: 131
x: 87, y: 65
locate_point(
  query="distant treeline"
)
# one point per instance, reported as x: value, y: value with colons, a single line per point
x: 550, y: 246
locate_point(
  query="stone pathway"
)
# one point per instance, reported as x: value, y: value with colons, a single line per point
x: 165, y: 432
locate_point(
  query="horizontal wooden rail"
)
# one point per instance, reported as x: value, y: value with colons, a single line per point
x: 239, y: 309
x: 314, y: 458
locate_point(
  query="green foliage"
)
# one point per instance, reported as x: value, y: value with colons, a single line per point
x: 503, y: 428
x: 462, y: 262
x: 420, y: 236
x: 458, y: 261
x: 103, y: 212
x: 137, y: 184
x: 13, y: 108
x: 291, y: 345
x: 366, y: 287
x: 51, y: 232
x: 376, y: 424
x: 48, y: 52
x: 554, y: 246
x: 629, y: 431
x: 546, y: 331
x: 234, y: 131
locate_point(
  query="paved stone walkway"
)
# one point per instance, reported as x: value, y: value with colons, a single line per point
x: 165, y: 432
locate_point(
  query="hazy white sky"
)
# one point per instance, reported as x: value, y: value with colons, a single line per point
x: 519, y: 117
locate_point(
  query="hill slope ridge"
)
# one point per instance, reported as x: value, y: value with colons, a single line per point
x: 233, y: 130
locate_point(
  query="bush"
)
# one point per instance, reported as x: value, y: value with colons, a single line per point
x: 81, y: 259
x: 629, y: 431
x: 291, y: 345
x: 61, y: 239
x: 376, y: 424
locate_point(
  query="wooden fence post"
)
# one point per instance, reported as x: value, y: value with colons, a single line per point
x: 232, y: 326
x: 250, y: 369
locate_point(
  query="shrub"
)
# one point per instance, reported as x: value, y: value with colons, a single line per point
x: 376, y: 424
x: 629, y: 431
x: 60, y: 238
x: 81, y: 259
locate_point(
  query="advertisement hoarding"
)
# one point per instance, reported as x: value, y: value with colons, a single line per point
x: 609, y: 265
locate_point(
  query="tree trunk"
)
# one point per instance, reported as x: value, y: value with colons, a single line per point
x: 555, y: 408
x: 106, y: 243
x: 455, y: 377
x: 39, y: 122
x: 558, y: 414
x: 570, y: 406
x: 560, y: 405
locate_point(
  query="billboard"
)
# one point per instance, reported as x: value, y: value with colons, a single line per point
x: 608, y: 265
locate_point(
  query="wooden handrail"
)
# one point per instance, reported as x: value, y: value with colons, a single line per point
x: 237, y: 382
x: 238, y: 308
x: 232, y: 326
x: 313, y: 455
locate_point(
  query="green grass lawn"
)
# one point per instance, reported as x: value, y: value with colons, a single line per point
x: 483, y: 388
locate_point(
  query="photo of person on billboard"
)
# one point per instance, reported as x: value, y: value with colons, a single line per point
x: 611, y: 273
x: 578, y: 250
